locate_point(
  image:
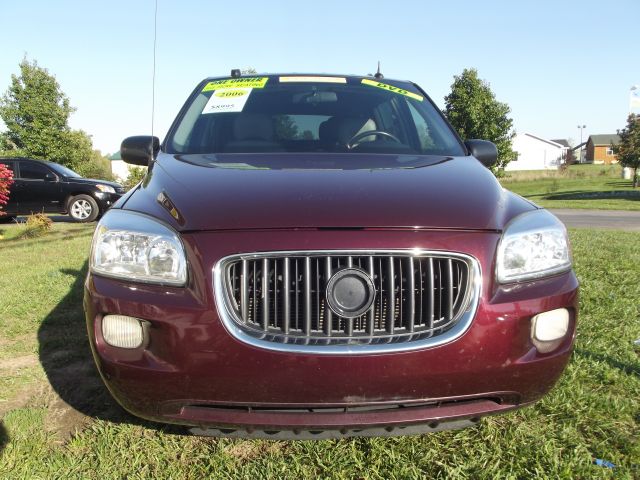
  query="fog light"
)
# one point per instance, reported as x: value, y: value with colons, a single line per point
x: 122, y: 331
x: 549, y: 328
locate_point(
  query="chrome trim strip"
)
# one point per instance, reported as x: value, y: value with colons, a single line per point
x: 463, y: 322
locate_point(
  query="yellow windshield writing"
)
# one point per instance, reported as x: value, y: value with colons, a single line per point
x: 249, y: 82
x: 393, y: 89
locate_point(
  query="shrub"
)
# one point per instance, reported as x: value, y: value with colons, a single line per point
x: 563, y: 168
x: 553, y: 186
x: 37, y: 225
x: 136, y: 174
x: 97, y: 166
x: 6, y: 179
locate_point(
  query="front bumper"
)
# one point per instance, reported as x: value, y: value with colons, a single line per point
x: 193, y: 372
x: 106, y: 200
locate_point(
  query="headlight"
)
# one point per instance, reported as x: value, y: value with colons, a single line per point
x: 105, y: 188
x: 533, y: 245
x: 137, y: 248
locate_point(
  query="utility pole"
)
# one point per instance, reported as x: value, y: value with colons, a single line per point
x: 581, y: 127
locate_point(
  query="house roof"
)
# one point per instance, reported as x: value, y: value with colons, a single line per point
x: 552, y: 142
x: 115, y: 156
x: 562, y: 142
x: 605, y: 139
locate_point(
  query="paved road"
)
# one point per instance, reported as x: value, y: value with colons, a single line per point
x: 602, y: 219
x: 574, y: 218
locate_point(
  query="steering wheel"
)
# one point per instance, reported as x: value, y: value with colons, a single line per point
x: 355, y: 140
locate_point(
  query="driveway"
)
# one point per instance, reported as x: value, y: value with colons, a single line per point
x: 601, y: 219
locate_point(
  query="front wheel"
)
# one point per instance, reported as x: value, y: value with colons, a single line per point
x: 83, y: 208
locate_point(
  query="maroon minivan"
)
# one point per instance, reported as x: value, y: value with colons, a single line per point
x: 316, y: 256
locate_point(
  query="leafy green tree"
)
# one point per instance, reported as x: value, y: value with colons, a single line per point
x: 628, y: 150
x: 474, y: 112
x: 36, y: 113
x: 98, y: 167
x: 136, y: 175
x: 285, y: 128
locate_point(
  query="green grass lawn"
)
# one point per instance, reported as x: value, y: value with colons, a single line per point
x: 581, y: 186
x: 58, y: 422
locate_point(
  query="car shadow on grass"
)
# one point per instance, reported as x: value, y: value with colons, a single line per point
x: 67, y: 360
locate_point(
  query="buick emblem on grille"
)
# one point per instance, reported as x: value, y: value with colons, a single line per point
x: 350, y: 292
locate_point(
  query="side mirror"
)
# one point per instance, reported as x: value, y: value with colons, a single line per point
x: 140, y: 150
x: 486, y: 152
x: 50, y: 177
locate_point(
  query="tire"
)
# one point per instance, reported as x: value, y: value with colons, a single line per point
x: 83, y: 208
x: 7, y: 218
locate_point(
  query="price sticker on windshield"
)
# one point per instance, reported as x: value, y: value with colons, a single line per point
x: 227, y: 100
x: 391, y: 88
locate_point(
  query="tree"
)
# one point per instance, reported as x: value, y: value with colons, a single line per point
x: 285, y: 128
x: 474, y: 112
x: 136, y: 175
x: 628, y: 150
x: 36, y: 113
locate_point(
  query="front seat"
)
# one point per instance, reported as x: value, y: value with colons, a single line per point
x: 253, y: 132
x: 336, y: 132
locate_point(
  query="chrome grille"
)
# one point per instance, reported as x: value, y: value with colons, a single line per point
x: 280, y: 297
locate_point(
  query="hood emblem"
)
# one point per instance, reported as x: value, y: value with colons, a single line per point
x: 350, y: 292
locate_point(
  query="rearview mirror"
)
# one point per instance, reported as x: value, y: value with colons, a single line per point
x: 486, y: 152
x: 140, y: 150
x: 50, y: 177
x: 315, y: 97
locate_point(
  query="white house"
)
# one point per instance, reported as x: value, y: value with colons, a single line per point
x: 536, y: 153
x: 119, y: 168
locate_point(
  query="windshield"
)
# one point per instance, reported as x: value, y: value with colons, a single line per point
x: 67, y: 172
x: 311, y: 114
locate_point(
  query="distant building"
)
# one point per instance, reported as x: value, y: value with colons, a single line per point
x: 119, y: 168
x: 578, y: 152
x: 536, y: 153
x: 599, y: 149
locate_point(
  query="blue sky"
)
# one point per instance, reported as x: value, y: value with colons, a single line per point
x: 557, y: 64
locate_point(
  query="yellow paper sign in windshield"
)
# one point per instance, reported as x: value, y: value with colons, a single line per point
x: 224, y: 93
x: 391, y: 88
x: 249, y: 82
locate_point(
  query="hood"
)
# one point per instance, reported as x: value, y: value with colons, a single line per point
x: 93, y: 181
x: 262, y: 191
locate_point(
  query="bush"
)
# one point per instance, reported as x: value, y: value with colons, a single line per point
x: 37, y: 225
x: 553, y: 187
x: 136, y: 174
x: 6, y: 179
x: 97, y: 166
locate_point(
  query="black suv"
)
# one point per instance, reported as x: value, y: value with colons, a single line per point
x: 40, y: 186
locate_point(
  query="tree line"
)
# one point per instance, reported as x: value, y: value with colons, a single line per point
x: 36, y: 113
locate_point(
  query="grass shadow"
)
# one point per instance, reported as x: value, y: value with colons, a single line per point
x: 67, y: 360
x: 4, y: 437
x: 623, y: 367
x: 593, y: 195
